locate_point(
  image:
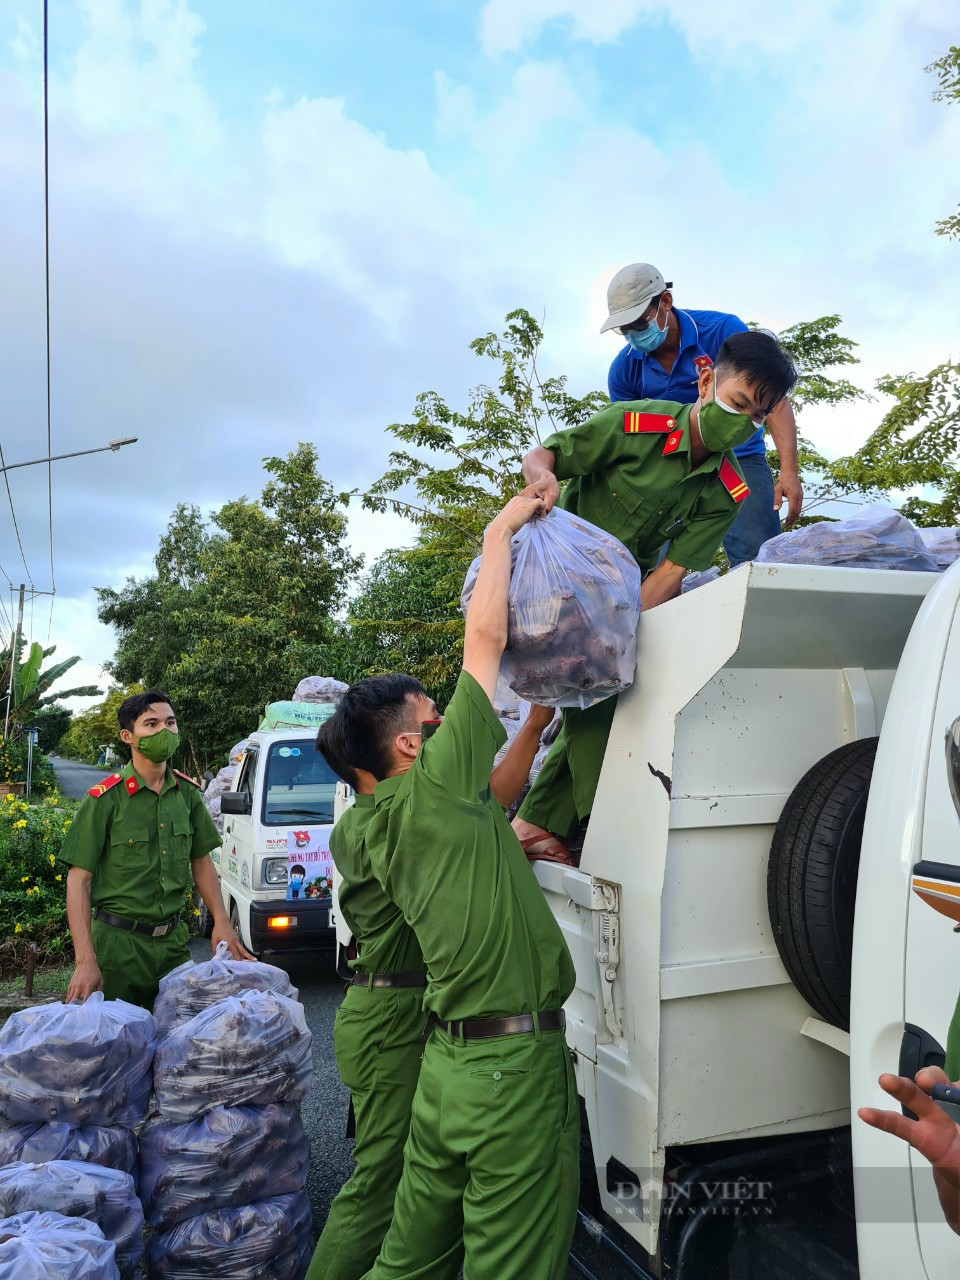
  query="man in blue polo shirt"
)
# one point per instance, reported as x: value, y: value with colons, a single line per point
x: 666, y: 349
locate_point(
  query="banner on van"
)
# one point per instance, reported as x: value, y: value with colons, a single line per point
x: 309, y: 866
x: 295, y: 715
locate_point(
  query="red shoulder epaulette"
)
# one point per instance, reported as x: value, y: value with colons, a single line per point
x: 186, y: 777
x: 733, y: 481
x: 657, y: 423
x: 104, y: 785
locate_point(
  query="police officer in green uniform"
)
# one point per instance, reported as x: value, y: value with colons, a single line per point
x: 378, y: 1028
x: 138, y: 840
x: 491, y: 1165
x: 654, y: 474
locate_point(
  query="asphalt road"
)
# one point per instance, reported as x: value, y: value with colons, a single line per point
x: 76, y: 779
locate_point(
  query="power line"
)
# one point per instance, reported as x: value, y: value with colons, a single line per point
x: 46, y: 275
x: 16, y: 527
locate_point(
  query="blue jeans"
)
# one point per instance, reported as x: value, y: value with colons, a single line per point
x: 756, y: 520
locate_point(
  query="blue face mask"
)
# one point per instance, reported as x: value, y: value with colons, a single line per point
x: 649, y: 339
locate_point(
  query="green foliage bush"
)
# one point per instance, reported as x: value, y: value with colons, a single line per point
x: 33, y: 884
x: 13, y: 768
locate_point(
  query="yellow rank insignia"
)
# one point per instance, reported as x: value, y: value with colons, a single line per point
x: 645, y: 423
x: 732, y: 481
x: 100, y: 788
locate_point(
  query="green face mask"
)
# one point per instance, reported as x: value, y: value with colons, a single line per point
x: 160, y: 746
x: 722, y: 428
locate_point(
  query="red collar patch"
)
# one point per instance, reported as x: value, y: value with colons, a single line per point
x: 673, y: 441
x: 647, y: 423
x: 132, y: 785
x: 733, y: 481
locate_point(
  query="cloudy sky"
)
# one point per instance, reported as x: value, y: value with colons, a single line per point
x: 279, y: 220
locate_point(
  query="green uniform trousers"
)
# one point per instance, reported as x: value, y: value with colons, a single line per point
x: 132, y: 964
x: 952, y: 1064
x: 563, y: 791
x: 491, y: 1168
x: 377, y: 1039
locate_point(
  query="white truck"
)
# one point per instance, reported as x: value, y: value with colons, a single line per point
x: 775, y: 785
x: 274, y: 863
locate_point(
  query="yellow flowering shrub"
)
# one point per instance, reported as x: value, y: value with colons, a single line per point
x: 32, y: 882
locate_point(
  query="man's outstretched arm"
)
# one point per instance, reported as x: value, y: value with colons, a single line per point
x: 485, y: 636
x: 510, y: 775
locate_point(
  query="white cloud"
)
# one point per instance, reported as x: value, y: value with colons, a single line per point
x: 505, y: 25
x: 225, y: 289
x: 540, y: 95
x: 135, y: 71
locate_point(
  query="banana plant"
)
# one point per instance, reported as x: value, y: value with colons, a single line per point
x: 31, y: 682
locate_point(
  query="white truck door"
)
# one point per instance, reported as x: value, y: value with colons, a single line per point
x: 906, y: 958
x: 933, y: 950
x: 238, y: 832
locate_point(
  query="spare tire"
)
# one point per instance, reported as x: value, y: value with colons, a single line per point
x: 812, y: 876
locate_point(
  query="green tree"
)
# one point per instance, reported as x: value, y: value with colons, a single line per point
x: 97, y: 727
x: 460, y: 466
x: 52, y: 723
x: 236, y: 605
x: 403, y: 620
x: 947, y: 72
x: 456, y: 470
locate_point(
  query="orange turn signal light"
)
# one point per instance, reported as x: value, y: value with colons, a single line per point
x: 279, y: 922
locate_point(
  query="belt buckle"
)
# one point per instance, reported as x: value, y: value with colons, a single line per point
x: 160, y: 931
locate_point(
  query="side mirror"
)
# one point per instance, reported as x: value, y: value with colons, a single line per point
x: 953, y: 763
x: 236, y: 802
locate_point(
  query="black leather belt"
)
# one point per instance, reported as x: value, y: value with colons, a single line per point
x: 518, y: 1025
x: 131, y: 926
x: 388, y: 980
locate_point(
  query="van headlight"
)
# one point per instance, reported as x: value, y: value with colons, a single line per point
x: 275, y: 871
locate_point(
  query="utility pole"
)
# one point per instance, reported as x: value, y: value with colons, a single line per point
x: 14, y: 645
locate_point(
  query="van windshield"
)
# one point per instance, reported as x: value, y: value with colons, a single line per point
x: 300, y: 785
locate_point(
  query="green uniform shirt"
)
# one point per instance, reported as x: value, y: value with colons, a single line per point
x: 626, y: 484
x: 139, y: 845
x: 444, y: 852
x: 385, y: 942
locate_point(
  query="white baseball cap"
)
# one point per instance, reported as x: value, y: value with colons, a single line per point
x: 630, y: 292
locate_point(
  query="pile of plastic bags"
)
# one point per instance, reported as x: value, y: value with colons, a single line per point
x: 943, y: 545
x: 191, y: 988
x: 573, y: 610
x: 105, y: 1197
x: 112, y: 1147
x: 319, y: 689
x: 248, y: 1050
x: 224, y: 1158
x: 875, y: 537
x: 74, y: 1083
x: 228, y: 1157
x: 49, y: 1246
x: 77, y: 1064
x: 223, y: 782
x: 271, y: 1238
